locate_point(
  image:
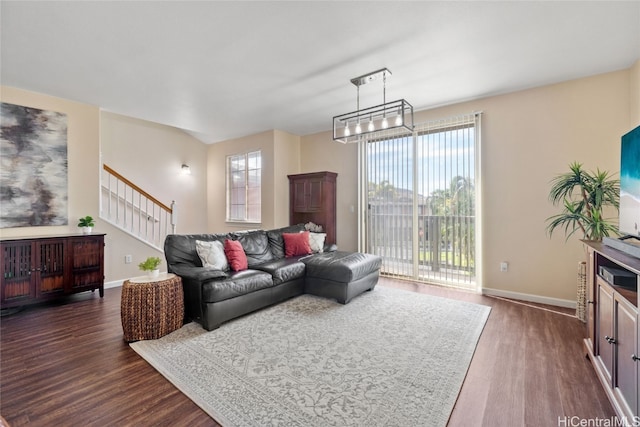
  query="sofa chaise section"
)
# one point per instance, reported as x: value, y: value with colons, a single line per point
x: 341, y: 275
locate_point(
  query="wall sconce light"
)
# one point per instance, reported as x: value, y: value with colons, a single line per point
x: 186, y: 170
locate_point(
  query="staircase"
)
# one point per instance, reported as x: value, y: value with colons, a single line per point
x: 134, y: 211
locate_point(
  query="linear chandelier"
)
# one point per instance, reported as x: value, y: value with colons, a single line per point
x: 352, y: 126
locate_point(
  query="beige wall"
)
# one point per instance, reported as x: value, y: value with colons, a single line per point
x: 273, y: 145
x: 634, y: 91
x: 528, y: 137
x: 151, y: 155
x: 286, y: 162
x: 148, y: 154
x: 284, y: 154
x: 319, y: 153
x: 83, y: 124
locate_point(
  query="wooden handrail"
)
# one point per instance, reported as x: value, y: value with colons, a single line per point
x: 138, y: 189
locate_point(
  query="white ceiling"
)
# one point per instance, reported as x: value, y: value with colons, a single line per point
x: 221, y: 70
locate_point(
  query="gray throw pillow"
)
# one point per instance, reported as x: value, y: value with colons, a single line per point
x: 212, y: 254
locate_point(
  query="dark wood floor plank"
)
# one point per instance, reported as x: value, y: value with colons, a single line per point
x: 66, y: 363
x: 575, y: 374
x: 541, y: 393
x: 509, y: 346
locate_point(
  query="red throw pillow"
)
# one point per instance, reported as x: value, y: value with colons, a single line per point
x: 235, y: 255
x: 296, y: 244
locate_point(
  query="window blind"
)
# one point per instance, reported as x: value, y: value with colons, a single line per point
x: 420, y: 200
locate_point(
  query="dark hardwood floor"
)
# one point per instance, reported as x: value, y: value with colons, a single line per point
x: 66, y: 364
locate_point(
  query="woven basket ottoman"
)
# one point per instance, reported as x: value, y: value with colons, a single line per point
x: 151, y: 308
x: 341, y: 275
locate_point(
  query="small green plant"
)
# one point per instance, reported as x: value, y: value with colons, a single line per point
x: 150, y: 264
x: 87, y: 221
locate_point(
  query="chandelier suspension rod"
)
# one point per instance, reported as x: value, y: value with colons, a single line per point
x: 384, y: 88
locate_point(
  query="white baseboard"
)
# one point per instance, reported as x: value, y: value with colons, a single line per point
x: 485, y: 291
x: 114, y: 284
x: 530, y: 298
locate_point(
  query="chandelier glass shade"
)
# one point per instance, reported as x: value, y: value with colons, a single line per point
x: 350, y: 127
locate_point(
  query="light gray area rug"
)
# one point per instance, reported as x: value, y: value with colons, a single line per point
x: 388, y: 358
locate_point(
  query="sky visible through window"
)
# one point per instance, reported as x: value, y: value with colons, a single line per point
x: 441, y: 156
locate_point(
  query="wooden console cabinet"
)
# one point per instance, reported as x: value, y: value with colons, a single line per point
x: 34, y: 269
x: 312, y: 197
x: 613, y: 335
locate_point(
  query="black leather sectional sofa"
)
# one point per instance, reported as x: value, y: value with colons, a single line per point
x: 214, y: 296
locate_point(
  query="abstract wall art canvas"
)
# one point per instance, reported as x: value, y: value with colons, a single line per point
x: 33, y: 167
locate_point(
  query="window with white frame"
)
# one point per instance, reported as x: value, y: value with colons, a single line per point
x: 244, y: 178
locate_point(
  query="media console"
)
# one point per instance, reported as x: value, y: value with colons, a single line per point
x: 38, y: 268
x: 613, y: 335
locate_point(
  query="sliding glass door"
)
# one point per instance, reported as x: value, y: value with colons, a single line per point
x: 420, y: 193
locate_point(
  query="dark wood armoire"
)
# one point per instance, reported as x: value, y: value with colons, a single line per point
x: 312, y: 197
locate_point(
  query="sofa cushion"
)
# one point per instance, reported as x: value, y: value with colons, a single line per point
x: 236, y: 284
x: 200, y: 274
x: 283, y: 270
x: 276, y: 242
x: 256, y: 246
x: 212, y: 254
x: 296, y: 244
x: 235, y: 255
x: 341, y: 266
x: 181, y: 248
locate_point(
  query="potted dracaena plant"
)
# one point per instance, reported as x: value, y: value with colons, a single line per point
x: 584, y: 197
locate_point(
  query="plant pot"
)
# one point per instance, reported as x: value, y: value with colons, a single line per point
x: 87, y: 230
x: 153, y: 274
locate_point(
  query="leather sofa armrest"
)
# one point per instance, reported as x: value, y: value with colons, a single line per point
x: 192, y: 281
x: 200, y: 274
